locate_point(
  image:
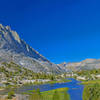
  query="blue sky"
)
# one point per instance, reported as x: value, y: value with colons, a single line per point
x: 61, y: 30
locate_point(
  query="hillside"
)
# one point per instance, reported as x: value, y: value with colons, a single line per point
x: 87, y: 64
x: 14, y: 49
x: 12, y: 74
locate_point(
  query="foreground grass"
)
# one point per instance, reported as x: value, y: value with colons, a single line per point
x: 91, y: 90
x: 56, y: 94
x: 91, y: 82
x: 61, y: 94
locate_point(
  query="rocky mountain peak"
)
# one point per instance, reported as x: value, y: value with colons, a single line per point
x: 8, y: 34
x: 10, y: 40
x: 12, y: 48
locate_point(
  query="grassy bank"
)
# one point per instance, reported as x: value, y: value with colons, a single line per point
x: 91, y: 90
x: 56, y: 94
x: 90, y: 82
x: 60, y: 94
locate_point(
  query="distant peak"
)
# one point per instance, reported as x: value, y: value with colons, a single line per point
x: 89, y: 59
x: 64, y: 63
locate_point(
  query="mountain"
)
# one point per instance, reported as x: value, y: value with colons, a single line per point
x: 87, y: 64
x: 12, y: 48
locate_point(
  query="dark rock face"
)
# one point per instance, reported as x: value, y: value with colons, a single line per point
x: 12, y: 48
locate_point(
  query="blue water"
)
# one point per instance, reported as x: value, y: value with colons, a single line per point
x: 75, y: 89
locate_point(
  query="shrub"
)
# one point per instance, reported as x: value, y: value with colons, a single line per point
x: 11, y: 94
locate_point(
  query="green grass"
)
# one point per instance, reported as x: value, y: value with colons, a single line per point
x: 61, y: 94
x: 91, y: 92
x: 56, y: 94
x: 91, y: 82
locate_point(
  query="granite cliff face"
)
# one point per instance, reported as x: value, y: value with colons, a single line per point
x: 9, y: 40
x: 12, y: 48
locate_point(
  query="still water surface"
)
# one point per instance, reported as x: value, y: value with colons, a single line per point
x: 75, y: 89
